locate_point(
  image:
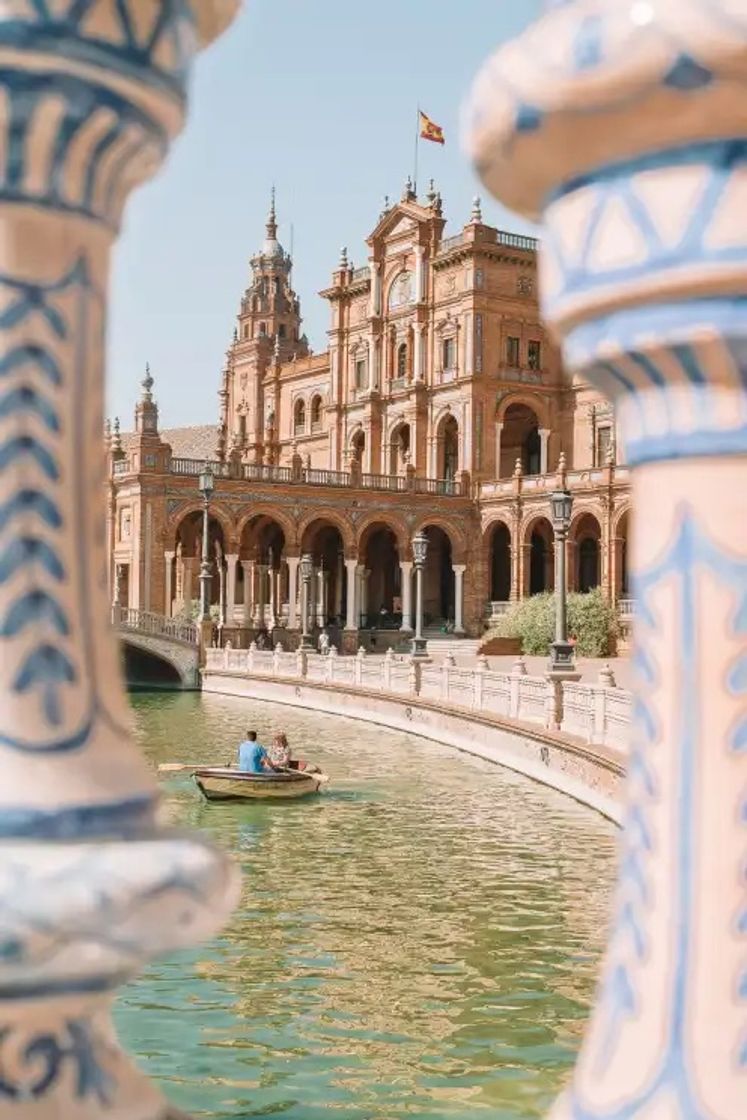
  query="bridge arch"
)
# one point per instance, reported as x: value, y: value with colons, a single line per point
x: 160, y: 663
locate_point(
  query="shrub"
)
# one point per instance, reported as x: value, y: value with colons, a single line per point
x: 592, y: 620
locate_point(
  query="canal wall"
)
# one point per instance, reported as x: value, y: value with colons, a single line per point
x: 524, y: 723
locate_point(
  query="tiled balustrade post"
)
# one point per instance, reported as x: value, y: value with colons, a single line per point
x: 90, y: 886
x: 623, y: 126
x: 388, y: 658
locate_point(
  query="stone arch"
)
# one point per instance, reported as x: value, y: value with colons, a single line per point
x: 456, y: 536
x: 150, y: 662
x: 382, y: 545
x: 447, y: 435
x: 620, y: 545
x: 299, y: 416
x: 318, y: 519
x: 315, y: 411
x: 398, y: 444
x: 497, y: 538
x: 187, y: 556
x: 538, y: 544
x: 520, y: 439
x: 218, y: 513
x: 585, y: 548
x: 386, y: 520
x: 272, y: 513
x: 532, y: 401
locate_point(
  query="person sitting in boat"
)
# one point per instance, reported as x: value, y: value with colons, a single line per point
x: 253, y: 758
x: 279, y: 752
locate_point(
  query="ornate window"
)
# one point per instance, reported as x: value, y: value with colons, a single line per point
x: 242, y: 427
x: 125, y: 524
x: 402, y: 360
x: 513, y: 352
x: 361, y: 373
x: 534, y: 354
x: 448, y: 354
x: 316, y: 414
x: 401, y: 291
x: 263, y: 329
x: 299, y: 417
x: 603, y: 445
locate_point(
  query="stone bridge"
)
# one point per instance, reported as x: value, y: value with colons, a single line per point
x: 159, y: 652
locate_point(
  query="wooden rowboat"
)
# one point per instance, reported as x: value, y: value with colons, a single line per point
x: 223, y: 783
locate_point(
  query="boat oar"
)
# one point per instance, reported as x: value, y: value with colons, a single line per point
x: 177, y: 767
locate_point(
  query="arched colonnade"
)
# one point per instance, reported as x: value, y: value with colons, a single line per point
x: 521, y: 561
x: 362, y: 577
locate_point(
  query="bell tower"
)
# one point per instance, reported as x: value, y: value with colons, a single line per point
x: 268, y: 334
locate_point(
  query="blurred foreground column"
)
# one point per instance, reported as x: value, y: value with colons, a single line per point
x: 622, y: 124
x: 91, y: 95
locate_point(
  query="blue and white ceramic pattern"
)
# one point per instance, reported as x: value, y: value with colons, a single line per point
x: 623, y: 126
x: 91, y: 94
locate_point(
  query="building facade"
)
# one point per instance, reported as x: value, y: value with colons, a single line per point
x: 440, y: 404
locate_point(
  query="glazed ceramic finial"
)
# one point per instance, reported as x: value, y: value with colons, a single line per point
x: 518, y: 470
x: 272, y: 225
x: 343, y: 263
x: 476, y: 216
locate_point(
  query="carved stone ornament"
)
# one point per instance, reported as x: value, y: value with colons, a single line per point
x: 90, y: 886
x: 622, y: 126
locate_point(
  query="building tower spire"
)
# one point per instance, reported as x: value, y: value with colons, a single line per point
x: 272, y: 225
x: 146, y: 409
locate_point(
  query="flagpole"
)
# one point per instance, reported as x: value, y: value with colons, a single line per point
x: 417, y: 141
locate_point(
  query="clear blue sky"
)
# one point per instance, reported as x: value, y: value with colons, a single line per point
x: 318, y: 96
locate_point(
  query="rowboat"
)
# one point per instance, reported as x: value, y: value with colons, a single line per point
x: 222, y: 783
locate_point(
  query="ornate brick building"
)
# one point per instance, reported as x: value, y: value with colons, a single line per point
x: 439, y: 403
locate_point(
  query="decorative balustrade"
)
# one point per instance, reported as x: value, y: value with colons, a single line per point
x: 258, y: 472
x: 383, y: 482
x: 148, y: 622
x: 497, y: 236
x: 443, y: 487
x: 540, y: 483
x: 359, y: 274
x: 121, y: 466
x: 596, y: 713
x: 180, y: 465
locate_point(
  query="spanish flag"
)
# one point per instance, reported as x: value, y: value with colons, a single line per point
x: 429, y: 130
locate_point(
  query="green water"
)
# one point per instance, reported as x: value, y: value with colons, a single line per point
x: 419, y: 942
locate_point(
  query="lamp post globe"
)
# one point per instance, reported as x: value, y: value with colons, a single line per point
x: 206, y: 486
x: 307, y: 570
x: 562, y: 653
x: 419, y: 555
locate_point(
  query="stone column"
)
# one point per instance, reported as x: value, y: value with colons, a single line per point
x: 661, y: 331
x: 459, y: 570
x: 544, y: 434
x: 498, y: 435
x: 351, y: 568
x: 261, y: 570
x: 168, y: 560
x: 232, y: 560
x: 406, y: 570
x: 293, y: 562
x: 338, y: 586
x: 91, y: 886
x: 322, y: 597
x: 417, y: 359
x: 189, y: 565
x: 248, y: 569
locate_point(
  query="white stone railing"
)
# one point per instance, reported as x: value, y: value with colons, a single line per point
x: 597, y: 713
x: 148, y: 622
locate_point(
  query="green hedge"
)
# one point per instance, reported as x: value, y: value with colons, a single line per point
x: 592, y: 620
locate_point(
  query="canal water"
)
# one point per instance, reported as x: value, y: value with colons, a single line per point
x: 421, y: 941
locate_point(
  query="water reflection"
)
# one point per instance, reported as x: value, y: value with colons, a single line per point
x: 421, y: 941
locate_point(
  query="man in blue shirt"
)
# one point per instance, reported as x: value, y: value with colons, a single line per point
x: 253, y: 757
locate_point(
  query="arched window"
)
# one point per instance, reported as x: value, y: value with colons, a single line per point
x: 299, y: 417
x: 316, y: 414
x: 402, y: 360
x: 263, y: 329
x: 246, y: 330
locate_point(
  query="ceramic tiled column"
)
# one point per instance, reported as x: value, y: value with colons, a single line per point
x: 622, y: 126
x: 91, y: 94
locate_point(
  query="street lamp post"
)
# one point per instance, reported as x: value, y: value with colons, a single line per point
x: 419, y: 553
x: 206, y: 485
x: 307, y: 570
x: 562, y: 658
